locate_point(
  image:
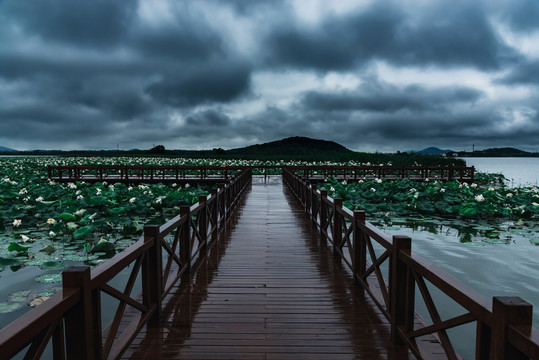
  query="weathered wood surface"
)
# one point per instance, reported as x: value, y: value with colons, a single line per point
x: 269, y: 290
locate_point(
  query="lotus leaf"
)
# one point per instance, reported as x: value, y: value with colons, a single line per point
x: 49, y: 278
x: 83, y: 231
x: 15, y: 246
x: 67, y: 217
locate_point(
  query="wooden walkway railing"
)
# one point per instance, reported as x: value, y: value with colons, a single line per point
x: 417, y: 173
x: 142, y: 173
x: 71, y: 319
x: 504, y: 325
x: 182, y: 174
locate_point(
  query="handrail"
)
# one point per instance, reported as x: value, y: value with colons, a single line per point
x: 183, y: 172
x: 160, y: 258
x: 504, y: 325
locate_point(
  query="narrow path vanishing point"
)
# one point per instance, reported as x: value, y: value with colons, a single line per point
x: 269, y: 290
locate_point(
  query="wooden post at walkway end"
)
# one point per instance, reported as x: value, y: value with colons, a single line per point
x: 152, y: 273
x: 337, y: 225
x: 401, y: 293
x: 359, y: 244
x: 508, y: 310
x: 323, y: 214
x: 82, y: 326
x: 185, y: 238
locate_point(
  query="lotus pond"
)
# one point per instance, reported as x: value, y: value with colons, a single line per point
x: 46, y: 226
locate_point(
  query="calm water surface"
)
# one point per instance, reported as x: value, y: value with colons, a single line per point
x: 519, y: 171
x: 509, y: 268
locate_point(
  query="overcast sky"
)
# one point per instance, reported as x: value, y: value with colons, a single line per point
x: 371, y: 75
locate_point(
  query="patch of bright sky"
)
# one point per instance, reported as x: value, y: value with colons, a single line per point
x: 155, y: 12
x: 312, y: 11
x: 432, y: 77
x: 526, y: 43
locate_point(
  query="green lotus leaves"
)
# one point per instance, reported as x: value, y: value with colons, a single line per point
x: 83, y: 232
x: 67, y: 217
x: 104, y: 246
x: 49, y: 278
x: 9, y: 261
x: 15, y: 246
x: 51, y: 265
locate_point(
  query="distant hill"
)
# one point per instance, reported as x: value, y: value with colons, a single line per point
x: 292, y: 146
x: 5, y: 149
x: 499, y: 152
x: 433, y: 151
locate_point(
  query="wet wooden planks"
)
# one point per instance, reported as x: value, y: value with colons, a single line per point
x: 268, y: 290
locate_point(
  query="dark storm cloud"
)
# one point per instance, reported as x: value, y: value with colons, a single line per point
x: 523, y: 15
x: 526, y: 73
x: 218, y: 82
x: 86, y: 23
x: 387, y: 98
x: 209, y: 117
x: 94, y: 74
x: 444, y: 35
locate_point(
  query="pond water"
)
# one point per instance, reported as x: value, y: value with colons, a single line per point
x: 519, y: 171
x: 503, y: 266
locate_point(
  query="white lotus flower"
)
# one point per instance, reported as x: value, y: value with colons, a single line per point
x: 132, y: 200
x: 71, y: 185
x: 130, y: 188
x: 52, y: 233
x: 442, y: 190
x: 39, y: 199
x: 491, y: 188
x: 379, y: 181
x: 23, y: 191
x: 474, y: 185
x: 535, y: 204
x: 80, y: 197
x: 187, y: 185
x: 25, y: 238
x: 344, y: 182
x: 332, y: 189
x: 373, y: 189
x: 51, y: 221
x: 174, y: 185
x: 480, y: 198
x: 158, y: 200
x: 509, y: 195
x: 17, y: 222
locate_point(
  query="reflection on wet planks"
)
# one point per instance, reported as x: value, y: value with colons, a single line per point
x: 269, y: 290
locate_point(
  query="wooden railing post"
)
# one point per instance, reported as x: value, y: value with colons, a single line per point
x: 323, y: 213
x: 203, y: 221
x: 185, y: 238
x: 152, y: 274
x: 82, y: 325
x: 359, y: 244
x: 314, y: 203
x: 337, y: 225
x: 308, y: 198
x: 401, y: 290
x: 214, y: 212
x: 508, y: 311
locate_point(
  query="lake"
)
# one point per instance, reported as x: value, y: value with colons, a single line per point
x: 507, y: 266
x: 519, y: 171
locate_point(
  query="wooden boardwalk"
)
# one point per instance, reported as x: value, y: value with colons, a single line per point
x: 269, y: 289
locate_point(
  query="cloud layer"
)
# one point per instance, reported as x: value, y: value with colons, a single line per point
x: 372, y: 75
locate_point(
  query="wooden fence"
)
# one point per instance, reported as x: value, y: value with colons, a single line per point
x: 141, y: 173
x: 70, y: 321
x: 418, y: 173
x: 503, y: 325
x: 170, y: 173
